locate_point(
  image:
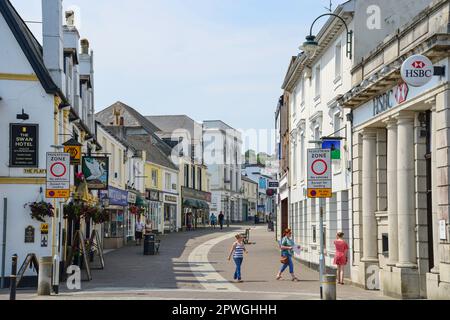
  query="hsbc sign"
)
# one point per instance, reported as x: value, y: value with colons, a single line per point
x: 417, y: 70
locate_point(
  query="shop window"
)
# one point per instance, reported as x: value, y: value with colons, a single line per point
x: 115, y: 227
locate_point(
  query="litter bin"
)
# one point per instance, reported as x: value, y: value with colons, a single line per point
x: 149, y: 244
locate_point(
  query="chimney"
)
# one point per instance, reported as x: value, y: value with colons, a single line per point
x: 70, y: 18
x: 52, y: 32
x: 84, y: 46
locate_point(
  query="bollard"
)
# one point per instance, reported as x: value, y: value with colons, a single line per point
x: 13, y: 278
x: 329, y: 287
x: 45, y: 276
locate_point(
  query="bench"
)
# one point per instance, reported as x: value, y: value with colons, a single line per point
x: 246, y: 236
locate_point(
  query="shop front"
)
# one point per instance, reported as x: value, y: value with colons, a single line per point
x: 114, y: 231
x: 155, y: 209
x: 170, y: 212
x: 195, y: 211
x: 401, y: 168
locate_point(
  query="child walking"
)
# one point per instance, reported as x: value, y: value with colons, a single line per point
x: 237, y: 251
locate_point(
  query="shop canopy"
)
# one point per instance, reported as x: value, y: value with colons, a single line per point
x: 140, y: 202
x: 195, y: 204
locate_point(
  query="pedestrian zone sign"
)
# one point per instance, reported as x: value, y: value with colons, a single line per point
x: 58, y: 175
x: 319, y: 173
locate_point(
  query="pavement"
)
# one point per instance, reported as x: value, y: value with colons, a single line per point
x: 193, y: 266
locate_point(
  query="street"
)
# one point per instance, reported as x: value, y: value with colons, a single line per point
x: 193, y: 265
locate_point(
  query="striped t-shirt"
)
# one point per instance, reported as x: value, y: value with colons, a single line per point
x: 239, y: 251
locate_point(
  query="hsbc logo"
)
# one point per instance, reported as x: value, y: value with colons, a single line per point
x: 401, y: 93
x: 417, y: 70
x: 418, y: 64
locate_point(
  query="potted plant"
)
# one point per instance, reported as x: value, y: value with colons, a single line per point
x: 41, y: 210
x: 72, y: 211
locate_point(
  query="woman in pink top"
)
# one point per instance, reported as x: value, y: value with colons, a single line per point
x: 340, y: 259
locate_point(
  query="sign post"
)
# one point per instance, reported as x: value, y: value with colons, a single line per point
x: 319, y: 187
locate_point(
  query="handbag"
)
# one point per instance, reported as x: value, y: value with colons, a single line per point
x: 284, y: 260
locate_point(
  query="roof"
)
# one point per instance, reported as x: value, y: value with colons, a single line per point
x: 30, y: 47
x: 154, y: 153
x: 115, y: 132
x: 146, y: 124
x: 170, y: 123
x: 245, y: 178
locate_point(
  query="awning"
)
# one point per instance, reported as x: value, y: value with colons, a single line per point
x: 140, y: 202
x: 203, y: 204
x: 195, y: 204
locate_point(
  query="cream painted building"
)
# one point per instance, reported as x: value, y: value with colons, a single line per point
x: 401, y: 164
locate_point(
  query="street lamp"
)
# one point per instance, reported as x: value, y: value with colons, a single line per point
x: 310, y: 46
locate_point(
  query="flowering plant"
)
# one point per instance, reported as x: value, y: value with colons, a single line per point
x: 41, y: 210
x: 79, y: 178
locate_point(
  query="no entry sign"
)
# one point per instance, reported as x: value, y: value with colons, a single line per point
x: 319, y: 173
x: 58, y: 175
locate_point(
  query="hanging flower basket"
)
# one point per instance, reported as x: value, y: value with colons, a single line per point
x: 41, y: 210
x: 72, y: 211
x: 100, y: 216
x: 134, y: 209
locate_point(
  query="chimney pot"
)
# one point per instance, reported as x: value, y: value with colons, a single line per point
x: 70, y: 18
x: 84, y: 46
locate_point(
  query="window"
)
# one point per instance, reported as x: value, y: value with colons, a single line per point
x: 317, y: 133
x: 199, y: 178
x: 317, y: 84
x: 302, y: 156
x: 193, y: 177
x: 186, y: 175
x: 337, y: 124
x: 385, y: 240
x: 294, y: 160
x: 338, y: 61
x: 303, y: 92
x: 154, y: 178
x: 168, y: 181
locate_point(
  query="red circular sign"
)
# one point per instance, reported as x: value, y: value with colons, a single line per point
x: 58, y: 169
x: 319, y: 167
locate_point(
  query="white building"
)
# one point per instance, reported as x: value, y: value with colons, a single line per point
x: 40, y: 101
x: 401, y: 167
x: 222, y: 155
x: 315, y: 83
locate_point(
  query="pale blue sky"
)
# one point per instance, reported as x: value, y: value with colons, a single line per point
x: 209, y: 59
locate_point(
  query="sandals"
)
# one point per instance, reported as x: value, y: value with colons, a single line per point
x: 295, y: 279
x: 278, y: 277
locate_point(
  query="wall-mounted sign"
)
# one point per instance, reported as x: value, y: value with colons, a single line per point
x: 390, y: 99
x: 44, y: 228
x: 273, y: 184
x: 417, y: 70
x: 334, y: 146
x: 132, y: 197
x: 35, y: 171
x: 95, y: 170
x: 73, y: 147
x: 195, y: 194
x: 44, y: 240
x: 23, y: 145
x: 29, y: 234
x: 319, y: 173
x: 58, y: 175
x: 169, y: 198
x: 116, y: 197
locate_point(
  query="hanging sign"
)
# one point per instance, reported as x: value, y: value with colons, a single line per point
x: 334, y: 146
x: 58, y: 175
x: 319, y: 173
x: 417, y: 70
x: 95, y: 170
x: 23, y: 145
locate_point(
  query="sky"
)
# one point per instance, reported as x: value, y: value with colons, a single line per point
x: 209, y: 59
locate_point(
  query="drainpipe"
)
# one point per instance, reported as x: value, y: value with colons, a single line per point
x: 5, y: 215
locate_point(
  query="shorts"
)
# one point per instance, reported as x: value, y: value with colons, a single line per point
x: 138, y: 235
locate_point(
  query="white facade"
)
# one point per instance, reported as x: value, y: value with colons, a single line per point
x: 314, y: 114
x: 222, y: 155
x: 25, y: 85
